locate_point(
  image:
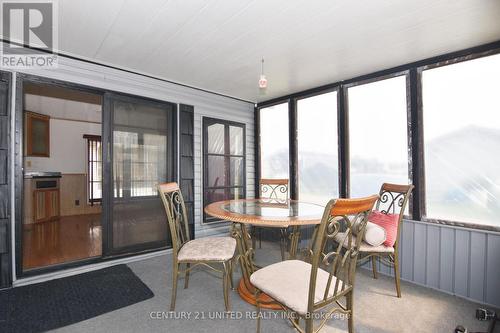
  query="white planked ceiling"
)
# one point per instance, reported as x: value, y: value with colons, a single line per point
x: 217, y: 44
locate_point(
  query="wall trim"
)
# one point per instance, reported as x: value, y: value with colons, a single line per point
x: 455, y: 227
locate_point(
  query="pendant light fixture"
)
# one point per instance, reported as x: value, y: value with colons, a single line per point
x: 262, y: 80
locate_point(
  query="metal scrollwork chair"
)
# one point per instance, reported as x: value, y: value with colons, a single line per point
x: 191, y: 253
x: 303, y: 288
x: 393, y: 199
x: 275, y: 190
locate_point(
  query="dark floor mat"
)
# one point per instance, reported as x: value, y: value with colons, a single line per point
x: 56, y: 303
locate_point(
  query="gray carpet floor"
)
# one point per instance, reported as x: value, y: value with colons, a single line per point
x: 199, y: 308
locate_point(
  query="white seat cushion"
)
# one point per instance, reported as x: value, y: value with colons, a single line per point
x: 208, y: 248
x: 288, y: 283
x: 364, y: 247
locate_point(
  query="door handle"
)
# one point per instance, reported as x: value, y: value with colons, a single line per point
x: 109, y: 153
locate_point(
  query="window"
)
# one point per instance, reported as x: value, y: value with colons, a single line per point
x: 274, y: 143
x: 94, y: 168
x: 143, y: 157
x: 317, y: 148
x: 448, y: 106
x: 37, y: 134
x: 461, y: 140
x: 141, y: 137
x: 378, y: 135
x: 223, y: 161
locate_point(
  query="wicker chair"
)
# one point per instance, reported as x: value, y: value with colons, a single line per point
x: 204, y: 251
x: 393, y: 200
x: 327, y: 282
x: 276, y: 190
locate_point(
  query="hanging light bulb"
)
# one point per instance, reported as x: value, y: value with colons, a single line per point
x: 262, y: 80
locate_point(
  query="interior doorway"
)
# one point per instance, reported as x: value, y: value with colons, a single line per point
x: 87, y: 166
x: 62, y: 183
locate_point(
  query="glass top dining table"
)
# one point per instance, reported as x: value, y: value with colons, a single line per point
x: 273, y: 213
x: 267, y: 212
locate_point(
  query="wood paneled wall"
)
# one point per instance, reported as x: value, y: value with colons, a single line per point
x: 72, y: 187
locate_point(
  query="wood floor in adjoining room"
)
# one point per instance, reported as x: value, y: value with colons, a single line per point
x: 66, y: 239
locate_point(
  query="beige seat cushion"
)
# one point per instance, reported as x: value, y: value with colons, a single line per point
x: 365, y: 247
x: 288, y: 283
x: 208, y: 248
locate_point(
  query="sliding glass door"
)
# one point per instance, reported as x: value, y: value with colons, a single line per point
x: 92, y: 195
x: 139, y: 155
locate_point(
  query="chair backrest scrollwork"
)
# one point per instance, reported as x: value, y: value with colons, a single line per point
x: 393, y: 200
x: 175, y: 209
x: 340, y: 215
x: 274, y: 189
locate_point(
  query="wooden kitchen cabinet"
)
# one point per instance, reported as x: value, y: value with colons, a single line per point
x: 46, y: 205
x: 37, y: 134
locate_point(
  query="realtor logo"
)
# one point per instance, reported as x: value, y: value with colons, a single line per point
x: 29, y: 31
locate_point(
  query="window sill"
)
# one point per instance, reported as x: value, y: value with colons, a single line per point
x: 461, y: 225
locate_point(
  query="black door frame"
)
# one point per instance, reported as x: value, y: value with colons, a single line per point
x: 106, y: 255
x: 206, y: 122
x: 107, y: 144
x: 6, y: 184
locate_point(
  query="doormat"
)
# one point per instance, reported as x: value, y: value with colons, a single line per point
x: 52, y: 304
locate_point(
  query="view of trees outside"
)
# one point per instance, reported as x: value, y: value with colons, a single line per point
x: 274, y: 143
x: 378, y: 135
x: 461, y: 104
x: 318, y: 148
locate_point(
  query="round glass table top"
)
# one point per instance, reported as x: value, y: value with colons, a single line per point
x: 270, y: 212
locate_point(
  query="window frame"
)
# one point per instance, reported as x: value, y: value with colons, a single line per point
x: 90, y: 197
x: 340, y: 133
x: 206, y: 122
x: 409, y: 128
x: 292, y: 174
x: 416, y: 163
x: 420, y: 123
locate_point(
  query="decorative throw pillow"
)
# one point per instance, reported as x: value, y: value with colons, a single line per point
x: 387, y: 221
x: 375, y: 235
